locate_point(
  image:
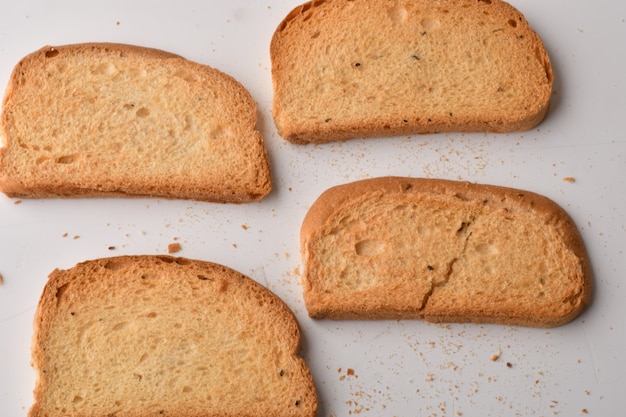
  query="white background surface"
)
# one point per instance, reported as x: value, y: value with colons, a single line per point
x: 403, y: 368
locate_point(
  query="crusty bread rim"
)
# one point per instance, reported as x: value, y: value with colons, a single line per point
x: 51, y: 287
x: 334, y: 199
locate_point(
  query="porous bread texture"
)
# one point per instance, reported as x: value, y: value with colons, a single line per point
x: 163, y: 336
x: 105, y: 119
x: 445, y: 251
x: 359, y: 68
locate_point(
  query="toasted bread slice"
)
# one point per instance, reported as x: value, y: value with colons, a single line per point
x: 360, y: 68
x: 163, y: 336
x: 444, y: 251
x: 121, y: 120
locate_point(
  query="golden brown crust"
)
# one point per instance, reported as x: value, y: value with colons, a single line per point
x: 91, y: 140
x: 483, y: 214
x: 204, y: 315
x: 344, y: 69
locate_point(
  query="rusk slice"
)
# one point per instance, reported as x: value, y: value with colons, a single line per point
x: 141, y: 336
x: 445, y: 251
x: 119, y: 120
x: 359, y: 68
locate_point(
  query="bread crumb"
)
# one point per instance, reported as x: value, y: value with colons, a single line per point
x: 76, y: 237
x: 64, y: 234
x: 111, y: 248
x: 349, y: 373
x: 496, y: 356
x: 584, y: 411
x: 569, y: 179
x: 17, y: 202
x: 245, y: 227
x: 174, y: 247
x: 1, y: 279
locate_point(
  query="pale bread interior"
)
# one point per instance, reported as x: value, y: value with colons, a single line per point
x: 98, y: 119
x: 359, y: 68
x: 145, y: 335
x: 443, y: 251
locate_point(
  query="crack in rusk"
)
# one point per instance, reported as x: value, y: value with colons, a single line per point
x: 465, y: 230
